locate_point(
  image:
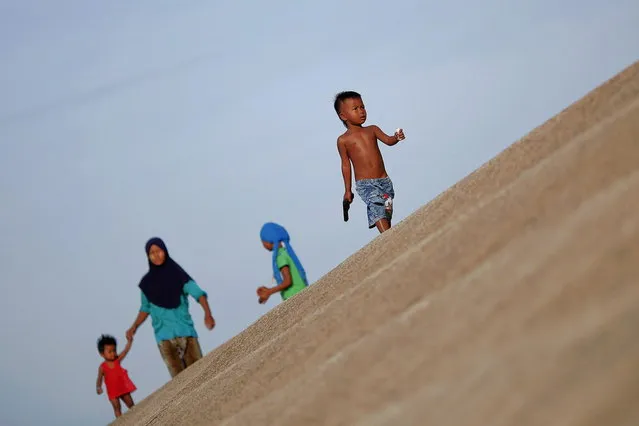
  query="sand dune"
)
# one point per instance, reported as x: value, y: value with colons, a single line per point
x: 510, y: 299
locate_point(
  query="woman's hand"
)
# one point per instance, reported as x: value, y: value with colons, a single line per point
x: 209, y: 321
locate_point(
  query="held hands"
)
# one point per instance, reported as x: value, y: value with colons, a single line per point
x: 130, y: 332
x: 399, y: 134
x: 263, y: 294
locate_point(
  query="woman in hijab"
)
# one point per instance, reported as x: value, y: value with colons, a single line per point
x: 164, y: 293
x: 287, y: 268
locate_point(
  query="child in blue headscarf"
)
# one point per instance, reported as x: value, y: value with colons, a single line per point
x: 287, y: 269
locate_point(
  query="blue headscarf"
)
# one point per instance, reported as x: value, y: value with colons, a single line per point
x: 276, y: 234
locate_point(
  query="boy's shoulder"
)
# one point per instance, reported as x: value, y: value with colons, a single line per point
x: 371, y: 128
x: 344, y: 136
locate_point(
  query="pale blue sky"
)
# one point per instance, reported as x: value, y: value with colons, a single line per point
x: 198, y: 121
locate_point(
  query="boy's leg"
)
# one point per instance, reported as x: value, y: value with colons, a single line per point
x: 128, y: 400
x: 373, y: 193
x: 383, y: 225
x: 386, y: 186
x: 171, y: 357
x: 369, y: 194
x: 117, y: 409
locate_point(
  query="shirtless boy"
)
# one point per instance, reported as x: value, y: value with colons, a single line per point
x: 359, y: 146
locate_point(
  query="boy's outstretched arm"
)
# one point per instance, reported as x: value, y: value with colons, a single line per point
x: 98, y: 383
x: 346, y: 169
x: 388, y: 140
x: 126, y: 350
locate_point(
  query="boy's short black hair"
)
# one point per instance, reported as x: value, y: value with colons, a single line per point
x: 341, y: 97
x: 105, y: 340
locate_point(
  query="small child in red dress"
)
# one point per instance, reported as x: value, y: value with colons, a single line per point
x: 116, y: 378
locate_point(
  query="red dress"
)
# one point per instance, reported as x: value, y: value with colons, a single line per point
x: 116, y: 380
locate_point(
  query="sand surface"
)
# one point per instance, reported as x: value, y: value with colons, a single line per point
x: 511, y: 299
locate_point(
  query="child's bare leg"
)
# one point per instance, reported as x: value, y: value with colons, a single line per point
x: 117, y: 409
x: 128, y: 400
x: 383, y: 225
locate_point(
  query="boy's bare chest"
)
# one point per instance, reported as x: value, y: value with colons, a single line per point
x: 364, y: 137
x: 361, y: 143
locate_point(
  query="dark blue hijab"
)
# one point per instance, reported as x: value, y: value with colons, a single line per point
x: 163, y: 284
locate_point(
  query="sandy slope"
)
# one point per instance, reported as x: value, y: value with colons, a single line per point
x: 511, y: 299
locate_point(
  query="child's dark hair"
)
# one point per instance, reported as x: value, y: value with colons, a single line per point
x: 105, y: 340
x: 341, y: 97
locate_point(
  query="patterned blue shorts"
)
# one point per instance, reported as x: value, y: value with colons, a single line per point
x: 372, y: 192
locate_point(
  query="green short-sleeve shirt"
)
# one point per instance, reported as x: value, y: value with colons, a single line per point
x: 284, y: 259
